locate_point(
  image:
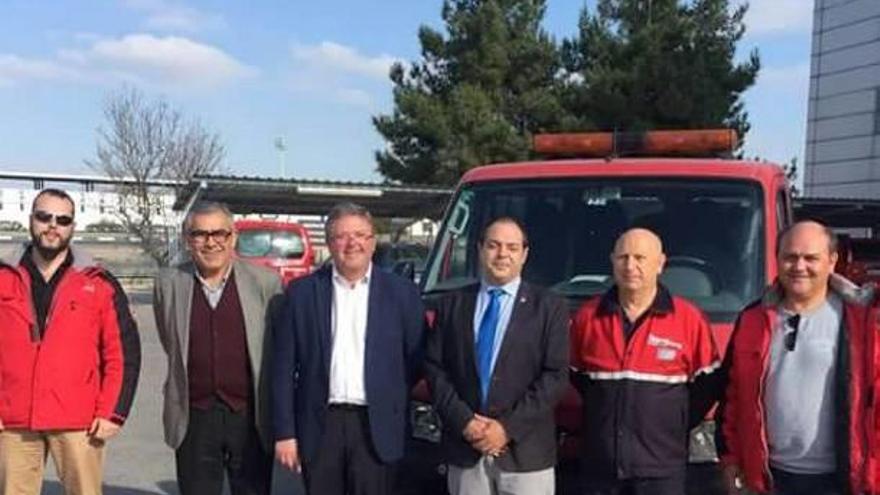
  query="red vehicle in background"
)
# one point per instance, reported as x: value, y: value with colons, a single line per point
x: 859, y: 259
x: 284, y: 247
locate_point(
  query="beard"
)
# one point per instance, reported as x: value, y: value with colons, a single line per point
x: 49, y: 252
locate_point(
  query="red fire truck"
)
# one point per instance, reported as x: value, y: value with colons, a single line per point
x: 718, y: 218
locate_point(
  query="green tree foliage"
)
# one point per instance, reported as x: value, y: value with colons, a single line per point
x: 476, y: 95
x: 495, y: 77
x: 659, y: 64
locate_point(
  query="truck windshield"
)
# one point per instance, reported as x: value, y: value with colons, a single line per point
x: 712, y: 232
x: 261, y: 243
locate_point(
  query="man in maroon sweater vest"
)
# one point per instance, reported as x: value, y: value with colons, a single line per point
x: 213, y: 318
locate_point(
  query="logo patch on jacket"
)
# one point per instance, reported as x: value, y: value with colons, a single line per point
x: 89, y: 288
x: 667, y: 349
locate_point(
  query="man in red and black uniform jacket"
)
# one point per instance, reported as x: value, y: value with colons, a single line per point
x: 644, y: 362
x: 69, y: 356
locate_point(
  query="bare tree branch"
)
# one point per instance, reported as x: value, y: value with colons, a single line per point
x: 146, y: 141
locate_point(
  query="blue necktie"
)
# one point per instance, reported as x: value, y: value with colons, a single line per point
x: 486, y: 341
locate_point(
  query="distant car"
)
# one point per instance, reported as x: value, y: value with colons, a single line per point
x: 393, y: 257
x: 282, y: 246
x: 105, y: 227
x: 11, y: 226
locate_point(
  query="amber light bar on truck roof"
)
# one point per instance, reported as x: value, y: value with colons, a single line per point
x: 703, y: 142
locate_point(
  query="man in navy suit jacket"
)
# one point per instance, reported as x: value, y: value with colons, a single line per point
x: 497, y: 364
x: 347, y: 349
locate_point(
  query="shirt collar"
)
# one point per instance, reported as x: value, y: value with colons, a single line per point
x: 510, y: 288
x: 338, y: 278
x: 222, y: 280
x: 662, y: 303
x: 27, y: 261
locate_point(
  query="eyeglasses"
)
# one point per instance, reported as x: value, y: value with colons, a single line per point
x: 201, y: 236
x: 46, y: 217
x: 791, y: 337
x: 357, y: 236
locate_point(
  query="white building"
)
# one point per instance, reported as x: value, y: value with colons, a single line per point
x: 92, y: 207
x: 843, y: 120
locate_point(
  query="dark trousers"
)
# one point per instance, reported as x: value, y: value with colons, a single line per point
x: 673, y: 485
x: 787, y: 483
x: 346, y: 462
x: 220, y: 440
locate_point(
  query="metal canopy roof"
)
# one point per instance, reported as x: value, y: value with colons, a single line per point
x: 313, y: 197
x: 307, y: 197
x: 840, y: 212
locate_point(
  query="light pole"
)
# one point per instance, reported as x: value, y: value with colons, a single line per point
x: 281, y: 146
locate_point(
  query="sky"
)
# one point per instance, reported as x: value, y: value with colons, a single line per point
x: 309, y: 72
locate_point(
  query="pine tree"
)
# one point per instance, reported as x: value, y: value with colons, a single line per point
x: 475, y: 96
x: 659, y: 64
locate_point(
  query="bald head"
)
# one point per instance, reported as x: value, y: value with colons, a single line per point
x: 806, y: 259
x: 810, y: 229
x: 637, y: 260
x: 642, y: 237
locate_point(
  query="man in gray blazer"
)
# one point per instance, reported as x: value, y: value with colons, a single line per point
x: 213, y: 316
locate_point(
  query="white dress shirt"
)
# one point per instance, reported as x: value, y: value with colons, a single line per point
x: 214, y: 292
x: 349, y: 331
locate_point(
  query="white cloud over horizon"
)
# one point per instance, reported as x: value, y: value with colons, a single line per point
x: 339, y: 73
x: 334, y: 57
x: 14, y: 69
x: 170, y: 61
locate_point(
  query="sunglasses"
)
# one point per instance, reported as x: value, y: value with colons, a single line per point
x: 46, y: 217
x: 791, y: 337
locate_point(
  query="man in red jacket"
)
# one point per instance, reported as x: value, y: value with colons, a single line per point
x: 645, y: 363
x: 69, y: 357
x: 797, y: 417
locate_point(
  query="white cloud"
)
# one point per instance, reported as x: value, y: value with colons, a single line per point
x: 334, y: 57
x: 14, y: 69
x: 168, y: 15
x: 767, y: 17
x: 339, y: 73
x: 171, y: 62
x: 171, y: 59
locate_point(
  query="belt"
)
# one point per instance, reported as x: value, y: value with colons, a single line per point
x: 345, y: 406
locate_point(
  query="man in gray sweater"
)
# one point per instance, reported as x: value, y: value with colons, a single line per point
x: 793, y: 419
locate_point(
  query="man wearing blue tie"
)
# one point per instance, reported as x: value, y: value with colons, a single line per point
x: 497, y: 364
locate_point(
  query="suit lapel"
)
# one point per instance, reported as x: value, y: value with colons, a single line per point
x: 518, y: 314
x: 465, y: 321
x: 183, y: 291
x: 323, y: 309
x: 248, y: 293
x: 374, y: 317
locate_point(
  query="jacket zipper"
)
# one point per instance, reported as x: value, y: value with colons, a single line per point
x: 32, y: 312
